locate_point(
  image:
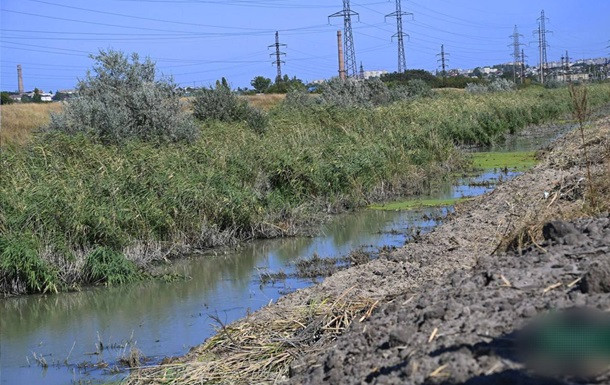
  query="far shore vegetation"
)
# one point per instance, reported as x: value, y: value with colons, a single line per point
x: 117, y: 181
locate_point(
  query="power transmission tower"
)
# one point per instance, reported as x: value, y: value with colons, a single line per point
x: 516, y: 51
x: 443, y: 61
x: 542, y: 44
x: 348, y: 37
x: 361, y: 71
x: 567, y: 67
x: 398, y: 14
x: 278, y: 54
x: 522, y: 66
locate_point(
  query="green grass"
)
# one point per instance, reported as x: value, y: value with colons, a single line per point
x: 515, y: 161
x: 67, y: 196
x: 412, y: 204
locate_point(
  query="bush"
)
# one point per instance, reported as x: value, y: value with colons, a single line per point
x: 498, y: 85
x: 122, y: 100
x: 220, y: 104
x: 299, y: 99
x: 410, y: 90
x: 354, y: 93
x: 553, y: 84
x: 105, y: 265
x: 5, y: 98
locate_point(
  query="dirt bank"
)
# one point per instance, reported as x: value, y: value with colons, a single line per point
x: 371, y: 323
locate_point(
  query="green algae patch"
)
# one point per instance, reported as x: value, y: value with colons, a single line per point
x: 514, y: 161
x: 416, y: 204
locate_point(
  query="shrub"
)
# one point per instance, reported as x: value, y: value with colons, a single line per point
x: 299, y: 99
x: 354, y: 93
x: 413, y: 89
x: 5, y: 98
x: 553, y: 84
x: 220, y: 104
x: 123, y: 100
x: 498, y: 85
x: 105, y: 265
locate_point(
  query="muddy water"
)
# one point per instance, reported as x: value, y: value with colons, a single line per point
x: 80, y: 337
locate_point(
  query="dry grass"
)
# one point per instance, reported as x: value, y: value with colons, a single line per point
x: 255, y: 350
x: 19, y: 121
x: 571, y: 197
x: 264, y: 101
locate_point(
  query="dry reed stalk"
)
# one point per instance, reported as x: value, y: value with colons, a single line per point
x: 259, y: 350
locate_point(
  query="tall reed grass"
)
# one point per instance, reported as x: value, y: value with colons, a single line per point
x: 64, y: 198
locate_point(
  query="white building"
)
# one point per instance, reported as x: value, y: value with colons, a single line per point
x: 374, y: 74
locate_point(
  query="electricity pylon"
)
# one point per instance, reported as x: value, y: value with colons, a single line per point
x: 348, y: 38
x: 399, y: 35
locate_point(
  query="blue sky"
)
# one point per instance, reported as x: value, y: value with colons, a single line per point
x: 198, y: 41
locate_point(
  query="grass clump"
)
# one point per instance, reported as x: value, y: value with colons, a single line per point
x: 123, y: 100
x: 104, y: 265
x: 22, y: 269
x: 516, y: 161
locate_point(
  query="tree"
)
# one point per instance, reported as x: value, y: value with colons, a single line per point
x: 286, y: 84
x: 261, y: 84
x: 6, y: 98
x: 37, y: 97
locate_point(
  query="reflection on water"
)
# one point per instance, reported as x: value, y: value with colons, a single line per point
x: 167, y: 318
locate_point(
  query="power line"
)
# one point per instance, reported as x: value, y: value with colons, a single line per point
x: 348, y: 38
x: 398, y: 14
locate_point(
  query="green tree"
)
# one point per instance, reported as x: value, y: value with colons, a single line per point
x: 261, y: 84
x: 37, y: 97
x: 6, y: 98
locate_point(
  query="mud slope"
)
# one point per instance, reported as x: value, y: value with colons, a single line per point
x: 457, y: 322
x: 371, y: 323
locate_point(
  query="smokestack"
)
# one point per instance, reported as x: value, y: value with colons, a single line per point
x: 341, y: 57
x: 20, y: 79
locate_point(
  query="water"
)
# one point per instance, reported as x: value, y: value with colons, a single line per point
x: 167, y: 318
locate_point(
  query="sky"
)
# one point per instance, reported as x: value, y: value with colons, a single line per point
x: 199, y: 41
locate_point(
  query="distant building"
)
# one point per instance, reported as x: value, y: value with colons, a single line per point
x: 573, y: 77
x: 44, y: 96
x: 374, y: 74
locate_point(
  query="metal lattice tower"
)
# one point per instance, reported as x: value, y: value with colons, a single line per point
x: 567, y: 67
x: 516, y: 51
x: 351, y: 66
x: 398, y: 14
x: 523, y: 66
x: 278, y: 56
x: 542, y: 44
x: 443, y: 61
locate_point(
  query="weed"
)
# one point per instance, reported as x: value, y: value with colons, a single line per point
x: 580, y: 111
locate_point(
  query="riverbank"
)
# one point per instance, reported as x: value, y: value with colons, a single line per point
x: 319, y: 334
x: 77, y: 212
